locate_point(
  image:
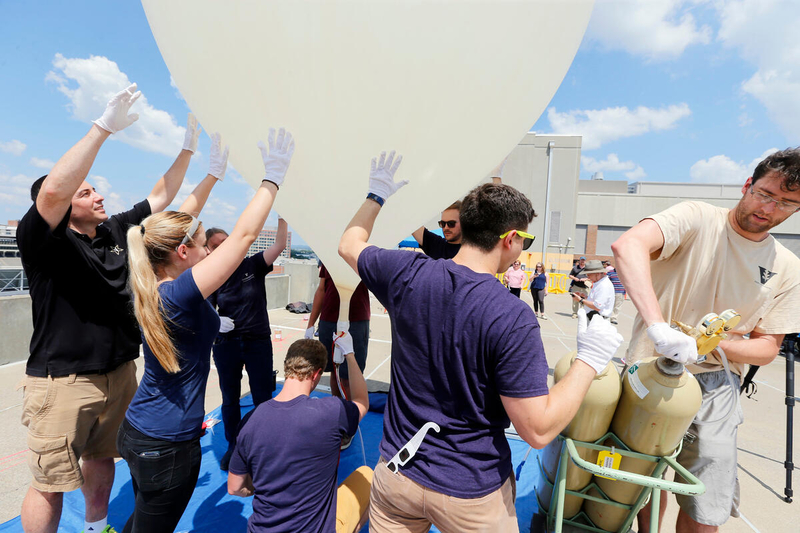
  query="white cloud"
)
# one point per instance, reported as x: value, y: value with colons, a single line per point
x: 764, y: 34
x: 41, y: 163
x: 612, y: 163
x: 16, y: 190
x: 98, y: 79
x: 601, y: 126
x: 657, y: 30
x: 13, y: 147
x: 723, y: 169
x: 112, y: 202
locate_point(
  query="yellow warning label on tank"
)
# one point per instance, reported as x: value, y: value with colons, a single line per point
x: 609, y: 459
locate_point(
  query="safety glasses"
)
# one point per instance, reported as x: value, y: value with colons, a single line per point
x: 192, y: 230
x: 527, y: 238
x: 449, y: 223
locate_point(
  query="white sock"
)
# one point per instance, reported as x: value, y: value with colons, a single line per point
x: 95, y: 527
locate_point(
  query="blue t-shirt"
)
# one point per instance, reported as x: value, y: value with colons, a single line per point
x: 171, y: 406
x: 540, y: 281
x: 459, y: 341
x: 291, y: 451
x: 243, y: 298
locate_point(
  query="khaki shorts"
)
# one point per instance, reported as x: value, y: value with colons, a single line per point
x: 352, y: 499
x: 73, y: 417
x: 398, y: 504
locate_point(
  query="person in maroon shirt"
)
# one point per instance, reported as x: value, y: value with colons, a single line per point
x: 326, y: 308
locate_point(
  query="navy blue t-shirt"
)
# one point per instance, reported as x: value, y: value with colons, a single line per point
x: 243, y: 298
x: 171, y: 406
x: 460, y: 340
x: 291, y: 451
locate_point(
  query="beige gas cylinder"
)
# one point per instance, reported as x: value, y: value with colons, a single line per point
x: 658, y: 404
x: 589, y: 424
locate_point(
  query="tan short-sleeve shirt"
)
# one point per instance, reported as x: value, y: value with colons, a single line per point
x: 705, y: 266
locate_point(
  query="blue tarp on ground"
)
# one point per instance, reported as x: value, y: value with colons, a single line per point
x: 213, y: 509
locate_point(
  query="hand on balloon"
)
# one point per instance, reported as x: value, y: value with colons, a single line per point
x: 598, y: 342
x: 342, y: 346
x: 225, y: 324
x: 381, y: 175
x: 218, y: 160
x: 309, y: 334
x: 116, y: 117
x: 673, y: 343
x: 192, y: 134
x: 278, y: 156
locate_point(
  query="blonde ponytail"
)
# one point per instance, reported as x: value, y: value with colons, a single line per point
x: 149, y: 247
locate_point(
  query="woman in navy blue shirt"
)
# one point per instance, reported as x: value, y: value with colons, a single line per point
x: 170, y: 279
x: 539, y: 283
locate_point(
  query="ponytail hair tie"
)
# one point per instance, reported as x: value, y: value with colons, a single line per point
x: 142, y: 228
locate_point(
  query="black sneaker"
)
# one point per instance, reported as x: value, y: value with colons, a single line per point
x: 226, y: 460
x: 346, y: 441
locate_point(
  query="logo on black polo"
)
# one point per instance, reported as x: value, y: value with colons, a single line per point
x: 766, y: 275
x: 116, y: 249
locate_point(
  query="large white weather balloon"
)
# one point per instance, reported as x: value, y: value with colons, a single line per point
x: 452, y: 85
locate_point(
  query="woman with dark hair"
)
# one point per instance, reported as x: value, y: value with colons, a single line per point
x: 170, y: 279
x: 540, y: 280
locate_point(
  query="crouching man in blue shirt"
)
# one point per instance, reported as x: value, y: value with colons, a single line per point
x: 287, y: 453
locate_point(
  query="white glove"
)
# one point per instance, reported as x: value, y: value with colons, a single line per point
x: 342, y: 346
x: 673, y: 343
x: 598, y: 342
x: 278, y: 156
x: 225, y: 324
x: 309, y: 333
x: 218, y: 160
x: 116, y: 117
x: 381, y: 175
x: 192, y: 134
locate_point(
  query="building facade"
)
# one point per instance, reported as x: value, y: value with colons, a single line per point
x: 266, y: 239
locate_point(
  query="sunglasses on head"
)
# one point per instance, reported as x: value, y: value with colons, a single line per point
x: 449, y: 223
x: 527, y: 238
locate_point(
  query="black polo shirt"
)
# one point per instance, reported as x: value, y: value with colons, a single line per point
x: 437, y: 247
x: 82, y: 313
x: 243, y: 298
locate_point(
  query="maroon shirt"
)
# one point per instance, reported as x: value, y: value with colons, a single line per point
x: 359, y: 303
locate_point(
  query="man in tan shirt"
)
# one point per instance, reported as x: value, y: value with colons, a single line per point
x: 693, y: 259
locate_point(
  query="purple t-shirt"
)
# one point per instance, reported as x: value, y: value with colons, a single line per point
x: 291, y: 451
x: 460, y: 340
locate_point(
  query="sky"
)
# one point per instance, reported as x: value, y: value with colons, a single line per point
x: 660, y: 90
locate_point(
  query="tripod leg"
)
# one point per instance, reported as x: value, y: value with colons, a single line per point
x: 790, y: 347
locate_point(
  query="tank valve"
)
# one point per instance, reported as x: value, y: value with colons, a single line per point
x: 709, y: 332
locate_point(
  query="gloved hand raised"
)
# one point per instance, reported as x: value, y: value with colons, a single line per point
x: 192, y: 134
x: 598, y: 342
x: 309, y: 334
x: 342, y: 346
x: 218, y: 160
x: 116, y: 117
x: 225, y: 324
x: 673, y: 343
x: 381, y: 175
x: 278, y: 156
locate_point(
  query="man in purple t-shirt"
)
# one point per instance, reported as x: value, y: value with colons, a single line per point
x: 467, y: 356
x: 292, y: 471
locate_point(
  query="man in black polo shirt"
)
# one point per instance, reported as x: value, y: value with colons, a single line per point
x: 245, y: 337
x: 80, y: 373
x: 438, y: 247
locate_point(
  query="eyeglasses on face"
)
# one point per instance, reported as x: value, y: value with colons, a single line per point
x: 527, y: 238
x: 449, y: 223
x: 786, y: 207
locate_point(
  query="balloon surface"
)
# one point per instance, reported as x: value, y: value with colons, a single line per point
x: 451, y: 85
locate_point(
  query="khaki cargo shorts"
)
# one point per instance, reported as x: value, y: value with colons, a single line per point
x: 73, y: 417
